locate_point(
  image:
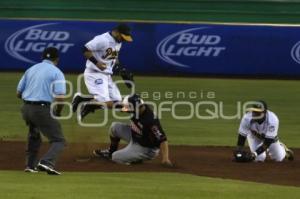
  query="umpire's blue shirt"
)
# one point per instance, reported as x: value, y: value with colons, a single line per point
x: 42, y: 82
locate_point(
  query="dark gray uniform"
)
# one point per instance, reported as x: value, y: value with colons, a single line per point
x: 37, y: 88
x: 144, y: 135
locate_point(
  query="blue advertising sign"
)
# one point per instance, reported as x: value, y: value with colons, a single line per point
x: 160, y: 48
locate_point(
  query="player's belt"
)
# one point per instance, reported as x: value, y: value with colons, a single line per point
x: 41, y: 103
x: 91, y: 70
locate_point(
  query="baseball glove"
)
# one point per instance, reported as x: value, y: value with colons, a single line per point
x: 127, y: 76
x: 117, y: 68
x: 243, y: 156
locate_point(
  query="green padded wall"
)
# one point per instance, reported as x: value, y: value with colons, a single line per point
x: 263, y: 11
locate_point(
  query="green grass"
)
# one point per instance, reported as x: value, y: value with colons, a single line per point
x: 282, y: 96
x: 16, y: 185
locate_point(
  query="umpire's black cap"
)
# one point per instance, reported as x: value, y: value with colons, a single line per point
x: 125, y: 31
x: 50, y: 53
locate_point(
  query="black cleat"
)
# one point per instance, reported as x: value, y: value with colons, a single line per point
x: 105, y: 153
x: 77, y: 99
x: 289, y: 154
x: 48, y: 169
x: 137, y: 162
x: 87, y: 108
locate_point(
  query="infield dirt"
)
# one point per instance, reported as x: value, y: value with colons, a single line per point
x: 196, y: 160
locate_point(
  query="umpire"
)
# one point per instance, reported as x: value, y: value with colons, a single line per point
x: 42, y: 84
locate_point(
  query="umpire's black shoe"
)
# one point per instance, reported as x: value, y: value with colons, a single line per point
x: 105, y: 153
x: 31, y: 170
x: 48, y: 169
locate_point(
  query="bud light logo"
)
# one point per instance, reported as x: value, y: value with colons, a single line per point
x: 295, y: 52
x: 190, y: 43
x: 35, y: 39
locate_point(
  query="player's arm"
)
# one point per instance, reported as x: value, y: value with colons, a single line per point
x: 270, y: 137
x: 59, y: 91
x: 164, y: 148
x: 161, y: 138
x: 244, y: 130
x: 21, y: 86
x: 266, y: 144
x: 241, y: 142
x: 89, y: 55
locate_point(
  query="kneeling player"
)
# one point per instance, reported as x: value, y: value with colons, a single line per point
x: 144, y: 135
x: 260, y: 127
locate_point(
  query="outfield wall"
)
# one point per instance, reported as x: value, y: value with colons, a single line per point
x: 160, y: 48
x: 263, y: 11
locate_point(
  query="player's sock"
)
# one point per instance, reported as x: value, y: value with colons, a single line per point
x: 114, y: 144
x: 118, y: 105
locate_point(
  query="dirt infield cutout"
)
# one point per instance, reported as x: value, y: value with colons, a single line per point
x: 196, y: 160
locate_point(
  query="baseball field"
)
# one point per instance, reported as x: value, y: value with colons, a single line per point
x: 201, y: 145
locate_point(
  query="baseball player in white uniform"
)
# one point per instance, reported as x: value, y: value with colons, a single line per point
x: 260, y: 127
x: 102, y: 55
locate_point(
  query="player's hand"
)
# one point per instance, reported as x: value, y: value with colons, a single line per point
x: 167, y: 163
x: 101, y: 66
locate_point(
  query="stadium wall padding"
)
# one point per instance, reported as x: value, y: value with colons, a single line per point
x: 263, y: 11
x: 160, y: 48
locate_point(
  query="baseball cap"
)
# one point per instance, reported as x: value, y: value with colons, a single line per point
x: 50, y: 53
x: 259, y: 106
x: 125, y: 31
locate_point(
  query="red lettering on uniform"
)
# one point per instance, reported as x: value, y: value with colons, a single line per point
x: 110, y: 54
x: 135, y: 128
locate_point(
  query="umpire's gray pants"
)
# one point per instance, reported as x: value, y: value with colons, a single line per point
x: 133, y: 152
x: 39, y: 119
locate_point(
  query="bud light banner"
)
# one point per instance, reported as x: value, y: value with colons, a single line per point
x: 159, y: 48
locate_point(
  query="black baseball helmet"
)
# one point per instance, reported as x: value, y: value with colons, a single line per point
x: 131, y: 102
